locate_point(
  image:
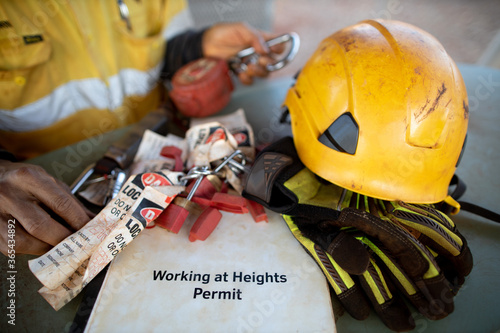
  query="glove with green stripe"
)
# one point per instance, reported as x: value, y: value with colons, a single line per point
x: 371, y: 251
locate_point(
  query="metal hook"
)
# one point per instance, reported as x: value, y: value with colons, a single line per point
x: 201, y: 172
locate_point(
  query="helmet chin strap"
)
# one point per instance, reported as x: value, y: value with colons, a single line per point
x: 451, y: 205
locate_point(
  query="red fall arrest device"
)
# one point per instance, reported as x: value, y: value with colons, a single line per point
x: 202, y: 87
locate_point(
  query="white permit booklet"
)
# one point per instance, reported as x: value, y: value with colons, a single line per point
x: 246, y: 277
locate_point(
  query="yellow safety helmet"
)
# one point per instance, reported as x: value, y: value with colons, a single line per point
x: 381, y: 109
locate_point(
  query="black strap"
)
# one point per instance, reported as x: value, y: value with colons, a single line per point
x: 6, y: 155
x: 478, y: 210
x: 180, y: 50
x: 460, y: 187
x: 459, y: 190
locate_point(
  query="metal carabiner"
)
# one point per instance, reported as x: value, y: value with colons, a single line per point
x: 240, y: 61
x: 200, y: 172
x: 82, y: 178
x: 116, y: 178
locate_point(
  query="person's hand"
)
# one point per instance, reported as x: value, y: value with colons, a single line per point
x: 224, y: 40
x: 34, y: 201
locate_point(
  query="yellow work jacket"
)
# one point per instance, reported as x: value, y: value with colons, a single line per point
x: 72, y: 69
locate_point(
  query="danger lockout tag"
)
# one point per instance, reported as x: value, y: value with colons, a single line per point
x: 69, y: 266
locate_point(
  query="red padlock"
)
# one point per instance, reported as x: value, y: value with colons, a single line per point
x: 257, y: 211
x: 207, y: 188
x: 202, y: 87
x: 229, y: 203
x: 176, y: 213
x: 205, y: 224
x: 174, y: 153
x: 172, y: 218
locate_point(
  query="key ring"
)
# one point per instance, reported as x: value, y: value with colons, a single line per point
x: 239, y: 63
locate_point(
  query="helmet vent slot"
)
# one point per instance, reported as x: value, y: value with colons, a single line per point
x: 342, y: 135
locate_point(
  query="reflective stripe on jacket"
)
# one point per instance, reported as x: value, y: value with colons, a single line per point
x: 71, y: 69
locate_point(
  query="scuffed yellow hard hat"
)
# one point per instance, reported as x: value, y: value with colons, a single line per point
x: 381, y: 109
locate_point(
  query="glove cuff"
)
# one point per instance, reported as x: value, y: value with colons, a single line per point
x: 266, y: 183
x: 273, y: 166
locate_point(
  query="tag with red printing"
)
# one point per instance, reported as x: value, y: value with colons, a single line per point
x: 209, y: 142
x: 73, y: 263
x: 236, y: 123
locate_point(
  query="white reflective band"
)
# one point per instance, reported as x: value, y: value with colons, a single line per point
x: 79, y: 95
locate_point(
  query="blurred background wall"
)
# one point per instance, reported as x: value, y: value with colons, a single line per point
x: 468, y: 29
